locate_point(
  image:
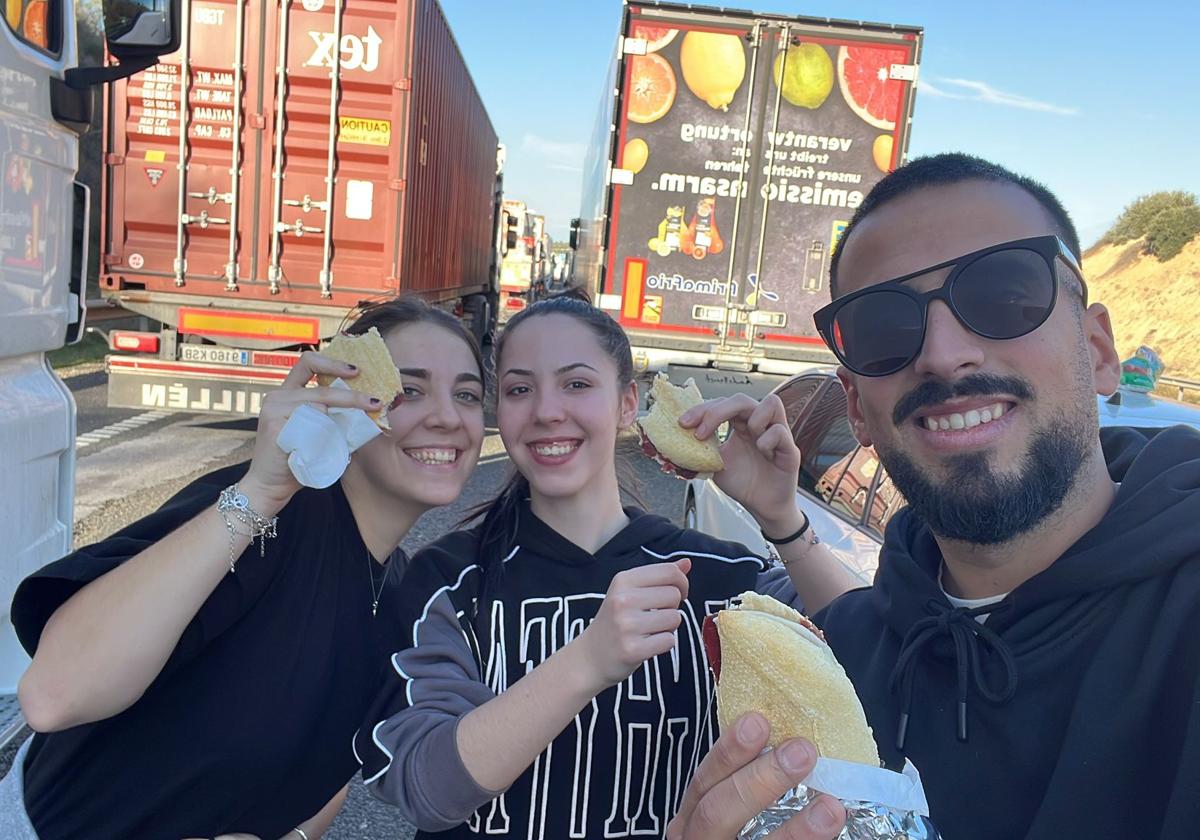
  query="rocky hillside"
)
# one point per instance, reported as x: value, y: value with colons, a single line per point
x: 1153, y: 303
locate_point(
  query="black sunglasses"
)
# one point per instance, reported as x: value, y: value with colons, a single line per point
x: 1001, y: 292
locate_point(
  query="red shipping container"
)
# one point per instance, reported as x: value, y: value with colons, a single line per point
x: 243, y: 224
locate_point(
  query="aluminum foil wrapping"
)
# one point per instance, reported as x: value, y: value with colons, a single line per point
x: 864, y: 820
x: 880, y: 804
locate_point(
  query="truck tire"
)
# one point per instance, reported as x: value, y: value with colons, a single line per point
x: 480, y: 317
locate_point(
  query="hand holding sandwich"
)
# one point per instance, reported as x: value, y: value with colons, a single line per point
x: 762, y: 462
x: 363, y: 362
x: 762, y: 466
x: 736, y: 781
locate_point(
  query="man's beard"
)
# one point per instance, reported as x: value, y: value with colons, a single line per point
x: 974, y: 502
x: 977, y: 504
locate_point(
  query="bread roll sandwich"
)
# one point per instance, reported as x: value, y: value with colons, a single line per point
x: 675, y: 448
x: 770, y: 659
x: 377, y: 374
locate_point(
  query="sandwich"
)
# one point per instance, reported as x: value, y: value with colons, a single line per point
x: 675, y: 448
x: 377, y: 374
x: 770, y: 659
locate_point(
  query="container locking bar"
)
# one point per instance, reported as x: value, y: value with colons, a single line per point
x: 185, y: 78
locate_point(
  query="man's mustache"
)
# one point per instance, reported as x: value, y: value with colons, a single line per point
x: 933, y: 392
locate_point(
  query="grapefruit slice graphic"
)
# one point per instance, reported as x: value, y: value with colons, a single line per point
x: 863, y: 74
x: 656, y: 37
x: 651, y: 88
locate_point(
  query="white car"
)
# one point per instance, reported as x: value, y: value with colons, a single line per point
x: 844, y: 490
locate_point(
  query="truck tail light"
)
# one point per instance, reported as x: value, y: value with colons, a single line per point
x: 133, y: 342
x: 514, y: 303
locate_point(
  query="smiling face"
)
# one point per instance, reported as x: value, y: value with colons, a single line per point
x: 983, y: 437
x: 561, y: 406
x: 437, y: 424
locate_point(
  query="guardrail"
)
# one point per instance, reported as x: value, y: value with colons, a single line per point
x: 1181, y: 386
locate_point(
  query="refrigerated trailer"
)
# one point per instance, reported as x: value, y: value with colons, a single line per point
x: 290, y: 162
x: 713, y: 195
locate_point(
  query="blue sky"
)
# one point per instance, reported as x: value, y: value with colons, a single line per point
x: 1098, y: 100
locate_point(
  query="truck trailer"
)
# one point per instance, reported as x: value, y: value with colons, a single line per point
x: 730, y: 150
x: 290, y: 162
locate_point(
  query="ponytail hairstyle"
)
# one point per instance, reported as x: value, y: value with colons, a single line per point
x: 498, y: 531
x: 395, y: 313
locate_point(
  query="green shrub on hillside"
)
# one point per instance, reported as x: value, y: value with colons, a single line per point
x: 1167, y: 220
x: 1170, y: 230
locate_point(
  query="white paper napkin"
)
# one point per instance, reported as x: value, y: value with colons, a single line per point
x: 850, y: 781
x: 319, y: 443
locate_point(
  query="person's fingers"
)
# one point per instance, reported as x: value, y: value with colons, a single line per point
x: 657, y: 645
x: 661, y: 621
x: 692, y: 416
x: 735, y: 800
x: 649, y: 598
x: 766, y: 414
x: 736, y: 748
x: 775, y: 442
x: 655, y: 574
x: 705, y: 419
x: 821, y: 819
x: 311, y: 363
x: 329, y: 398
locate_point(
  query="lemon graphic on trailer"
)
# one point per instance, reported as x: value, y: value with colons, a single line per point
x: 713, y: 66
x: 635, y: 155
x: 881, y: 151
x: 807, y: 75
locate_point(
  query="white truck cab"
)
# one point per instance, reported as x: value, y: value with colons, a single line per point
x: 44, y: 104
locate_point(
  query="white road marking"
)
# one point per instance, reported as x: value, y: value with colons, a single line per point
x: 138, y: 461
x: 112, y: 429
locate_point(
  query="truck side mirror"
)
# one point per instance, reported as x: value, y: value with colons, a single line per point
x: 136, y: 33
x: 574, y: 237
x: 141, y: 29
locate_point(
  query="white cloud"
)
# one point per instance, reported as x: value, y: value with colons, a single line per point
x: 555, y: 151
x: 977, y: 91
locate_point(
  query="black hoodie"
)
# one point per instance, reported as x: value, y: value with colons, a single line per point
x: 620, y: 769
x: 1074, y: 711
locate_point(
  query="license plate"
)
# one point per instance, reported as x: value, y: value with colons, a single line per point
x: 213, y: 355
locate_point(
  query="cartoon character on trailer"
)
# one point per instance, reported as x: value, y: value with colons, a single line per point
x: 671, y: 231
x: 701, y: 237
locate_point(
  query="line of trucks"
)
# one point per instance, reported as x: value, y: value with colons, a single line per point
x: 269, y: 167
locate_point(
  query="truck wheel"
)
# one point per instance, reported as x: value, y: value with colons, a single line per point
x: 479, y: 315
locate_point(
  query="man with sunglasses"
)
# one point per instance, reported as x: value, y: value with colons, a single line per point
x: 1032, y: 638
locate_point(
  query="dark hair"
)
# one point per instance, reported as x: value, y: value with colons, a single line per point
x: 942, y: 170
x: 500, y: 515
x: 387, y: 315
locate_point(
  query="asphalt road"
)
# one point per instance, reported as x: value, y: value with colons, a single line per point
x: 128, y: 473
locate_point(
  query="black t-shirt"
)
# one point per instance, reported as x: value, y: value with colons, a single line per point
x: 250, y: 723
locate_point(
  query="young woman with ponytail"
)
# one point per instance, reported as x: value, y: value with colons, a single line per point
x: 552, y: 682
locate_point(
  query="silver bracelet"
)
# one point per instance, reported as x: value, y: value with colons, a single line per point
x: 233, y: 503
x: 300, y: 831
